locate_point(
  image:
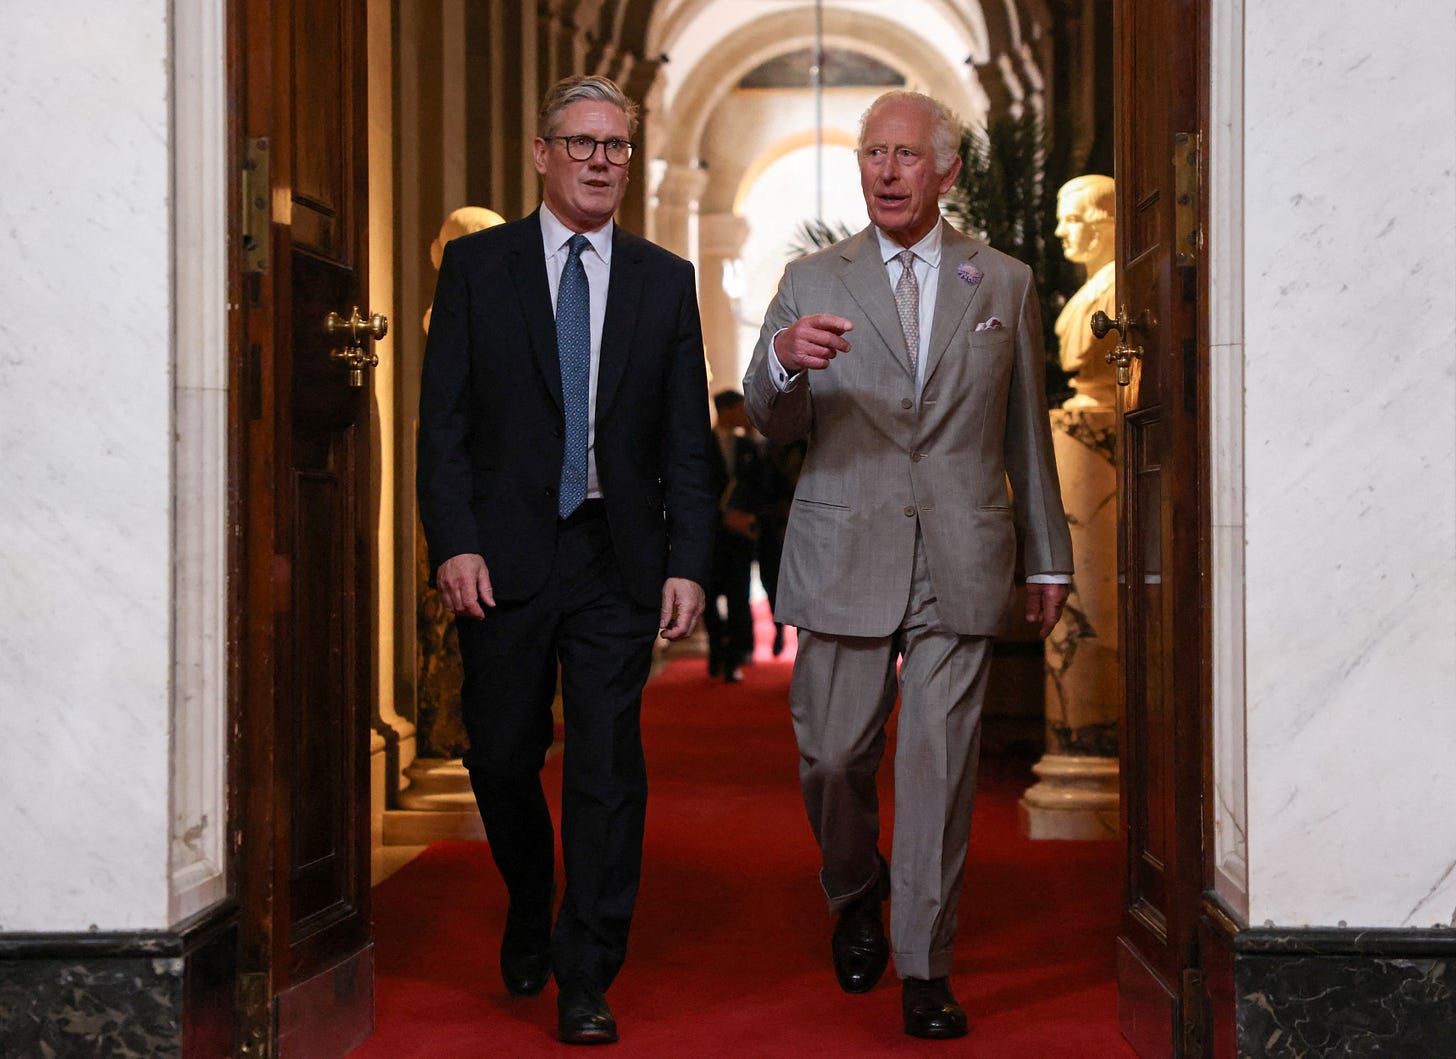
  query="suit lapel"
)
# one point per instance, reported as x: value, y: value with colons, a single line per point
x: 528, y: 271
x: 624, y: 291
x: 868, y: 282
x: 954, y: 295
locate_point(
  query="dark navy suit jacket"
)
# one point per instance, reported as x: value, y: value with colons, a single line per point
x: 492, y: 426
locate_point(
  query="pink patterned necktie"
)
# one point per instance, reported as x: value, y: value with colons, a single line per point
x: 907, y: 301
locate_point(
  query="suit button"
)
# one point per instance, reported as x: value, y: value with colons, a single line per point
x: 916, y: 457
x: 907, y: 403
x: 909, y: 510
x: 550, y: 490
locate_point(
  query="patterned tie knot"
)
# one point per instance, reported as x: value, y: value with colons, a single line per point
x: 906, y: 258
x: 578, y: 244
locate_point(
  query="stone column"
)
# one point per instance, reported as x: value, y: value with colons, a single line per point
x: 720, y: 241
x: 675, y: 224
x: 1077, y: 796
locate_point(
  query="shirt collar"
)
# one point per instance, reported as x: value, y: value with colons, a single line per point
x: 928, y: 249
x: 555, y: 235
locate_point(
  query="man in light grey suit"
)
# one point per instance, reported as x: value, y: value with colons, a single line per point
x: 911, y: 358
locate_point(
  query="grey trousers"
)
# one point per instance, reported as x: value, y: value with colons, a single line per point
x: 841, y: 698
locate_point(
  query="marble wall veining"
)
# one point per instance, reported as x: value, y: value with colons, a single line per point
x: 1349, y: 451
x: 85, y: 465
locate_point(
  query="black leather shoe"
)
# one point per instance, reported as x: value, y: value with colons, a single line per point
x: 930, y: 1009
x: 582, y: 1017
x: 525, y: 955
x: 860, y: 947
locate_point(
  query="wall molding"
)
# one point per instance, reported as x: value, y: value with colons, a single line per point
x: 197, y: 862
x: 1225, y: 290
x: 1329, y: 991
x: 143, y: 994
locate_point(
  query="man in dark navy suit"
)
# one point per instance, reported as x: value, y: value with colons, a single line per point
x: 564, y: 490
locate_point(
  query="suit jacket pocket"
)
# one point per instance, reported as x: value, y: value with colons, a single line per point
x: 821, y: 503
x: 988, y: 341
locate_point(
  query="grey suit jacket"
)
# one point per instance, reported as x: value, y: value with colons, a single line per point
x: 876, y: 464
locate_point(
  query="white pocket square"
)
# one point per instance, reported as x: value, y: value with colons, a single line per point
x: 993, y: 324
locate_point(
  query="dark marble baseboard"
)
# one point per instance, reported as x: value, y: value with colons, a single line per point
x: 1335, y: 993
x: 145, y: 994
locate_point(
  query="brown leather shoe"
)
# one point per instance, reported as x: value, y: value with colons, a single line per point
x: 859, y: 945
x: 582, y: 1016
x: 930, y: 1009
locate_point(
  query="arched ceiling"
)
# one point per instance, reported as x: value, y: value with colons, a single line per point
x: 689, y: 31
x: 655, y: 44
x: 919, y: 60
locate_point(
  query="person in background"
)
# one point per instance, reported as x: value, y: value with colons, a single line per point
x: 738, y: 479
x: 781, y: 473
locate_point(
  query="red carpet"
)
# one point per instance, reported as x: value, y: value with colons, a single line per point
x: 730, y: 947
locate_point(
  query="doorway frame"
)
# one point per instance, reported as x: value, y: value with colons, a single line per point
x: 1222, y: 320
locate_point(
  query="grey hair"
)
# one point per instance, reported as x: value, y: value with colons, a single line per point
x: 945, y: 127
x: 589, y: 87
x: 1098, y: 195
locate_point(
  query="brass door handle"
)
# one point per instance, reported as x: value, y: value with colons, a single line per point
x: 1102, y: 323
x: 1124, y: 353
x: 356, y: 328
x: 352, y: 334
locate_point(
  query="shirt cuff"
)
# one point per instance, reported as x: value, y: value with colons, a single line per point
x: 783, y: 381
x: 1048, y: 579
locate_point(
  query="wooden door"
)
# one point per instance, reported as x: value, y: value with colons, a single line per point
x: 1160, y: 65
x: 305, y: 604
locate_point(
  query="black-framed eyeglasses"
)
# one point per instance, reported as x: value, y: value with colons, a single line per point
x: 581, y: 148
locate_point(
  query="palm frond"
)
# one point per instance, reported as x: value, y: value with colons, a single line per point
x: 815, y: 234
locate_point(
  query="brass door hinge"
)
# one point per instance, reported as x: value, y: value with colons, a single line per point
x: 255, y: 1017
x: 1188, y: 238
x: 257, y: 212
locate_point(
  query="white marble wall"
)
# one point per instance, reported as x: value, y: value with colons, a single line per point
x: 1349, y: 459
x: 85, y: 465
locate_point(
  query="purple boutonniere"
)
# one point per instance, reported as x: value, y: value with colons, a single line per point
x: 968, y: 272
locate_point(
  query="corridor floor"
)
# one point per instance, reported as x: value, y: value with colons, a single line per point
x: 730, y: 949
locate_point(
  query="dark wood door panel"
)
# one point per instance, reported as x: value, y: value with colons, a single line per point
x: 1160, y: 44
x: 1146, y: 752
x: 320, y: 775
x: 323, y: 767
x: 322, y: 401
x: 325, y: 139
x: 305, y: 472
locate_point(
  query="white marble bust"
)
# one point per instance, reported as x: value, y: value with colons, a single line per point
x: 463, y: 221
x: 1085, y: 226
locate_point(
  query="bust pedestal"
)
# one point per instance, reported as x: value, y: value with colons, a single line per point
x: 1077, y: 793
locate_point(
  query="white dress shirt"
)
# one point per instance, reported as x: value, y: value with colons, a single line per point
x: 927, y: 275
x: 597, y: 260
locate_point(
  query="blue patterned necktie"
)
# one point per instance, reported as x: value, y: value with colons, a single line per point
x: 573, y: 346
